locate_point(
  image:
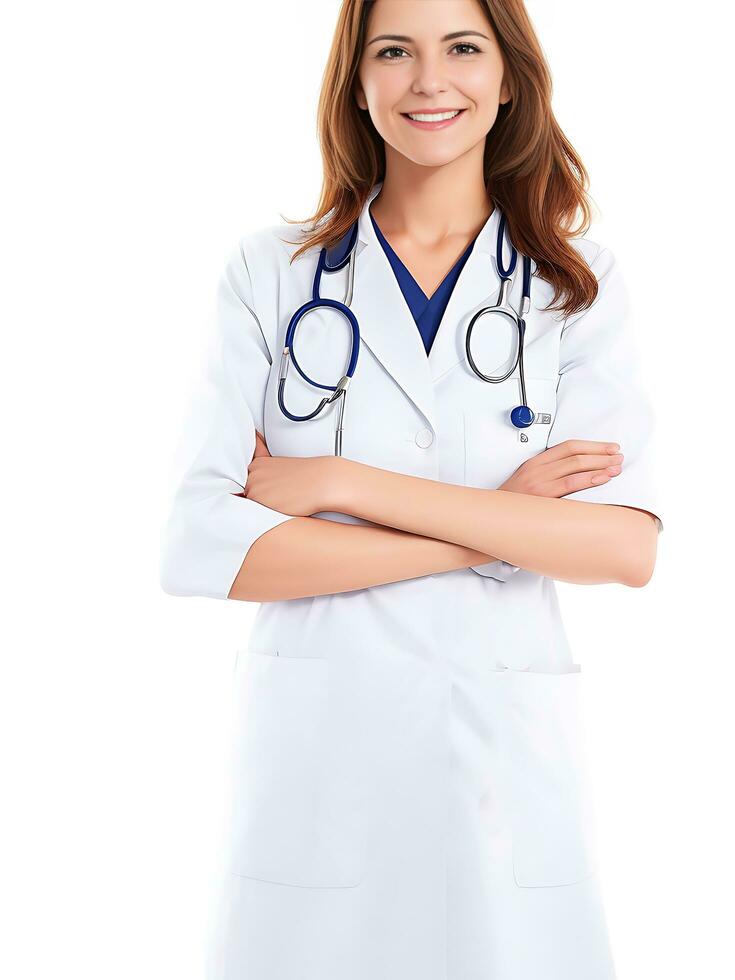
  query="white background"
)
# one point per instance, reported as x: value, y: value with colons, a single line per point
x: 141, y: 140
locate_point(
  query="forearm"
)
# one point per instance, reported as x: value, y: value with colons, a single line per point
x: 571, y: 540
x: 310, y: 556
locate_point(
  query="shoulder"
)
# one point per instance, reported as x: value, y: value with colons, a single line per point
x: 598, y: 256
x: 611, y: 304
x: 602, y: 263
x: 273, y: 246
x: 260, y: 258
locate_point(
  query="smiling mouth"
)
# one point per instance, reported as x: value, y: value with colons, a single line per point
x: 433, y: 116
x: 432, y: 122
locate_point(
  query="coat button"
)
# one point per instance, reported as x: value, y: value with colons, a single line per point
x: 424, y: 438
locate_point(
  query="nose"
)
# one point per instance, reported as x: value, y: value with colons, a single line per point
x: 430, y: 76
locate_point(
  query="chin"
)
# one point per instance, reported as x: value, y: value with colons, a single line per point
x: 436, y: 160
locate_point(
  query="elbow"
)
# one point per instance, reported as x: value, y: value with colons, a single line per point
x: 170, y: 585
x: 191, y: 565
x: 640, y: 576
x: 639, y: 562
x: 199, y: 552
x: 174, y: 572
x: 177, y: 567
x: 171, y: 577
x: 180, y: 575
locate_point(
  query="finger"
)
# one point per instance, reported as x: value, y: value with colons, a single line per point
x: 581, y: 463
x: 571, y: 447
x: 578, y: 481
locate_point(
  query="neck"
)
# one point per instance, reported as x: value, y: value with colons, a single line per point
x: 431, y: 204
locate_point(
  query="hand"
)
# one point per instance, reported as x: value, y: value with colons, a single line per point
x: 300, y: 486
x: 572, y: 465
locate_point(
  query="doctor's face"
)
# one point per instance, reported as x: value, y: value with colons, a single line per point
x: 423, y: 55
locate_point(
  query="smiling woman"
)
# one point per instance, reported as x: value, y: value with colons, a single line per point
x: 410, y: 783
x: 479, y: 73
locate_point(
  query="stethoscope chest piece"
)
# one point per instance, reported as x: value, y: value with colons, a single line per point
x: 522, y: 416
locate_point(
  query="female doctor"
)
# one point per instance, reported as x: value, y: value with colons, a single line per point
x: 409, y: 796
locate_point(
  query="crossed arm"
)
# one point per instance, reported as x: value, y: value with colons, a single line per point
x: 424, y: 526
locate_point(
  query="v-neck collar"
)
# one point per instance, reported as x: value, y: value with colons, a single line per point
x: 427, y: 312
x: 387, y: 327
x: 396, y: 260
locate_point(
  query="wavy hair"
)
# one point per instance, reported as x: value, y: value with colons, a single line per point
x: 531, y: 170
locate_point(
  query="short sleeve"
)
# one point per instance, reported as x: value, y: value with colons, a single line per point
x: 601, y: 396
x: 209, y: 529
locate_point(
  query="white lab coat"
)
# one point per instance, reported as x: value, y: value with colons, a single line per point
x: 410, y: 796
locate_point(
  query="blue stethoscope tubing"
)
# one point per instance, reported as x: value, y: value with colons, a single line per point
x: 521, y: 416
x: 315, y: 303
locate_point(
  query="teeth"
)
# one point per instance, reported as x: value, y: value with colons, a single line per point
x: 433, y: 116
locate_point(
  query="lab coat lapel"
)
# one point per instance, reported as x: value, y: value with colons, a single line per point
x: 477, y: 286
x: 387, y: 327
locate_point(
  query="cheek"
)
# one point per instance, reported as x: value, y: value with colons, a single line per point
x: 486, y: 119
x: 485, y: 114
x: 481, y: 84
x: 383, y: 86
x: 382, y: 114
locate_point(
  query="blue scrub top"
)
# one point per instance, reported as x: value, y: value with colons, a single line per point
x: 426, y: 312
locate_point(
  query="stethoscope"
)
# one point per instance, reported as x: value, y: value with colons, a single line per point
x: 325, y: 264
x: 521, y: 416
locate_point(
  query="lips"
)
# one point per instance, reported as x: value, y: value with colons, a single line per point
x: 431, y: 112
x: 438, y: 124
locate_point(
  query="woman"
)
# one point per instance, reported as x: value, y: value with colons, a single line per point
x: 409, y: 794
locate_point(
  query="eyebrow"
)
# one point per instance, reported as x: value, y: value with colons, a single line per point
x: 447, y: 37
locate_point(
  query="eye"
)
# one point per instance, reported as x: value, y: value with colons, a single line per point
x: 473, y: 49
x: 466, y: 44
x: 385, y: 50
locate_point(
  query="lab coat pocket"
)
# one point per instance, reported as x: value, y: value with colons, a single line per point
x: 546, y: 770
x: 297, y: 802
x: 494, y: 447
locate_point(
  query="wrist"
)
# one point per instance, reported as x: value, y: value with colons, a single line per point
x: 339, y: 483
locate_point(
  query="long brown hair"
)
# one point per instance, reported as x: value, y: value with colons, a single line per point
x: 531, y: 170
